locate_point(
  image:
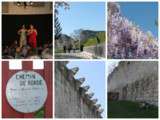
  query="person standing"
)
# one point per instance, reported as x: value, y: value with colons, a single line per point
x: 23, y: 36
x: 32, y: 37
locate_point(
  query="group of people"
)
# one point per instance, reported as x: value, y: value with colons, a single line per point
x: 71, y: 48
x: 26, y: 46
x: 30, y: 33
x: 13, y: 51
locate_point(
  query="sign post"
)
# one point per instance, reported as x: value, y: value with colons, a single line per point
x: 26, y: 91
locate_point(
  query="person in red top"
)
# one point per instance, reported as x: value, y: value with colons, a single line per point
x: 32, y: 37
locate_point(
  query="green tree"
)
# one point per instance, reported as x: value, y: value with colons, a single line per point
x: 57, y: 25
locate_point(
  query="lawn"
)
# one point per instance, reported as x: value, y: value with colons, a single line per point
x: 93, y: 40
x: 128, y: 109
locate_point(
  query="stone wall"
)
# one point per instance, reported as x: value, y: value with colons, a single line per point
x: 135, y: 81
x: 98, y: 50
x: 71, y: 100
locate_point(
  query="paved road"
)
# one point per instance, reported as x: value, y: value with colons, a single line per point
x: 80, y: 55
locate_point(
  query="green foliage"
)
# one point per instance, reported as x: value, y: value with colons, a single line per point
x: 93, y: 40
x: 101, y: 36
x: 57, y: 28
x: 57, y: 25
x: 58, y: 50
x: 39, y: 113
x: 128, y: 109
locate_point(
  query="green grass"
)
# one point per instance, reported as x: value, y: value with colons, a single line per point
x: 93, y: 41
x: 59, y: 50
x: 128, y: 109
x: 90, y: 42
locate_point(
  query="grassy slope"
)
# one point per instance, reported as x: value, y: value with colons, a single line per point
x: 93, y: 41
x: 127, y: 109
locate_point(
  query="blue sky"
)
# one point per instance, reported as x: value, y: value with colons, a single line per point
x: 94, y: 72
x: 85, y: 15
x: 111, y: 65
x: 143, y: 14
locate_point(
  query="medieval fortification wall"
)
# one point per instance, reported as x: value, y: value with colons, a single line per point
x: 72, y: 100
x: 135, y: 81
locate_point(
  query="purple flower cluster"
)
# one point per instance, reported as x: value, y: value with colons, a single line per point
x: 126, y: 40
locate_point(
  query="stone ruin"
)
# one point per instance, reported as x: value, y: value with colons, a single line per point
x: 71, y: 99
x: 134, y: 81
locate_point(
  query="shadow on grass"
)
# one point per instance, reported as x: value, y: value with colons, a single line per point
x: 128, y: 109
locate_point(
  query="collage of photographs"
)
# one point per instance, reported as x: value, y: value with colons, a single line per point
x: 79, y: 59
